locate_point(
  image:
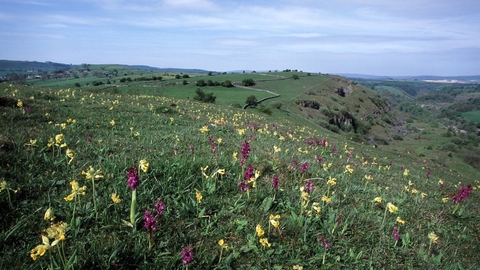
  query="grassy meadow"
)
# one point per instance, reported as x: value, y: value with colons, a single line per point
x: 113, y: 180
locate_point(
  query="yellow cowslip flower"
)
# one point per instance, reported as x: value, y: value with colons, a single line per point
x: 331, y: 181
x: 410, y: 183
x: 136, y: 134
x: 58, y: 139
x: 204, y: 169
x: 326, y: 199
x: 32, y: 143
x: 112, y: 122
x: 222, y: 244
x: 70, y: 154
x: 40, y: 249
x: 423, y: 195
x: 3, y: 185
x: 316, y: 207
x: 444, y: 200
x: 76, y: 190
x: 143, y: 164
x: 400, y: 220
x: 115, y: 198
x: 433, y: 237
x: 414, y: 191
x: 19, y: 103
x: 264, y: 242
x: 305, y: 195
x: 63, y: 145
x: 49, y: 214
x: 199, y: 196
x: 57, y: 231
x: 348, y: 169
x: 407, y: 188
x: 241, y: 131
x: 368, y: 177
x: 51, y: 142
x: 91, y: 173
x: 405, y: 172
x: 204, y: 129
x: 391, y: 208
x: 235, y: 155
x: 219, y: 140
x: 440, y: 182
x: 276, y: 149
x: 259, y: 230
x: 297, y: 267
x: 220, y: 171
x: 378, y: 199
x: 63, y: 125
x: 70, y: 197
x: 274, y: 220
x: 281, y: 138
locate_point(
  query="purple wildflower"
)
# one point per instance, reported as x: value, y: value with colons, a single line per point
x: 187, y: 255
x: 320, y: 159
x: 133, y: 180
x: 339, y: 218
x: 308, y: 186
x: 159, y: 207
x: 395, y: 234
x: 213, y: 145
x: 428, y: 174
x: 322, y: 242
x: 191, y: 149
x: 149, y: 221
x: 28, y: 109
x: 304, y: 166
x: 245, y: 152
x: 462, y: 194
x: 294, y: 164
x: 89, y: 139
x: 248, y: 174
x: 275, y: 182
x: 242, y: 186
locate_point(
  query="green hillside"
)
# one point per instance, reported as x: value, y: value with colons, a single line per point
x: 225, y: 187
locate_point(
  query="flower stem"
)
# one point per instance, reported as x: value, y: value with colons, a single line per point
x: 133, y: 209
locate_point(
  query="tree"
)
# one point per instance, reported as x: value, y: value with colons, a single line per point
x: 185, y: 76
x: 227, y: 83
x: 201, y: 83
x: 202, y: 96
x: 252, y: 101
x: 248, y: 82
x: 209, y: 73
x: 177, y: 76
x: 295, y: 77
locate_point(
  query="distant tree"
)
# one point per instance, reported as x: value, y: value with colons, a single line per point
x: 185, y: 76
x: 202, y: 96
x: 252, y: 101
x: 295, y: 77
x: 210, y: 83
x: 177, y: 76
x: 248, y: 82
x: 227, y: 83
x: 209, y: 73
x: 201, y: 83
x: 77, y: 84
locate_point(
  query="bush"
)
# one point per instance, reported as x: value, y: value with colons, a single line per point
x: 276, y: 105
x: 202, y: 96
x: 265, y: 110
x: 248, y: 82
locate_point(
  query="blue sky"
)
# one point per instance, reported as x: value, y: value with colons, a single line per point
x: 420, y: 37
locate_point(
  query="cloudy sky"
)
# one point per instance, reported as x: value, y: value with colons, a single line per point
x: 408, y: 37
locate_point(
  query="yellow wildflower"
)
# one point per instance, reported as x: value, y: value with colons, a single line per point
x: 424, y: 195
x: 32, y: 143
x: 144, y: 165
x: 63, y: 125
x: 112, y: 122
x: 40, y: 249
x: 348, y: 168
x: 116, y: 198
x: 259, y: 230
x: 400, y: 220
x: 235, y: 155
x: 391, y: 208
x: 378, y: 199
x: 331, y: 181
x: 19, y: 103
x: 204, y: 129
x: 91, y: 173
x: 71, y: 155
x: 326, y: 199
x: 58, y: 139
x: 316, y: 207
x: 222, y: 244
x: 49, y: 214
x: 57, y: 231
x: 274, y: 220
x: 297, y: 267
x: 264, y: 242
x: 433, y: 237
x: 199, y: 196
x: 241, y: 131
x: 276, y: 149
x: 445, y: 199
x: 414, y: 191
x: 368, y: 177
x: 405, y: 172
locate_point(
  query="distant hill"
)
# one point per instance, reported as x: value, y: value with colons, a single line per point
x: 433, y: 78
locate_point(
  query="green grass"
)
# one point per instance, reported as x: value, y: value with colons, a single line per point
x: 166, y: 132
x: 473, y: 116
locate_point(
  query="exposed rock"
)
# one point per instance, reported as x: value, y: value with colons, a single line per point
x: 308, y: 104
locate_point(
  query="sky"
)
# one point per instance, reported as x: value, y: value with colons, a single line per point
x: 389, y: 38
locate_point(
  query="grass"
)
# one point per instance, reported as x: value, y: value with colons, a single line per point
x: 473, y: 116
x: 178, y: 139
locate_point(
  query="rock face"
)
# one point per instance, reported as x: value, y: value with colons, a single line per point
x: 343, y: 91
x: 312, y: 104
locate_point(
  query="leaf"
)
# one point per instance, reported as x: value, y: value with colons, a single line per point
x: 267, y: 204
x: 202, y: 213
x: 127, y: 223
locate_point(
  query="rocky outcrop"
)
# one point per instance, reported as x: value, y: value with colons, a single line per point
x: 312, y: 104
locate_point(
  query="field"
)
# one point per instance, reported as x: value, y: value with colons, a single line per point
x: 473, y: 116
x: 107, y: 179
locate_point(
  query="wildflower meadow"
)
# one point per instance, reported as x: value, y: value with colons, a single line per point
x: 99, y: 180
